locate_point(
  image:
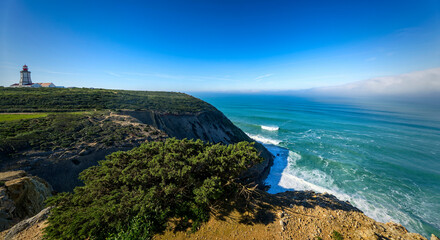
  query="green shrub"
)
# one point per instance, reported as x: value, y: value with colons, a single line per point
x: 139, y: 228
x: 179, y: 179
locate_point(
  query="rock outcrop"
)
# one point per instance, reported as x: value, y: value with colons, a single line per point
x: 21, y: 196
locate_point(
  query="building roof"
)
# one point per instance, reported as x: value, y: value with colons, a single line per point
x: 45, y: 84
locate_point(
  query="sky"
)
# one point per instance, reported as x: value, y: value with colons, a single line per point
x: 229, y: 45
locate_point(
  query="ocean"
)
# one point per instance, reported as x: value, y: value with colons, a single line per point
x: 383, y: 157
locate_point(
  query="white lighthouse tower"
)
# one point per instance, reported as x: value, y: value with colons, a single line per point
x: 25, y: 76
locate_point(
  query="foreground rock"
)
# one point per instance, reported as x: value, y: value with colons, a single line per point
x: 21, y: 196
x: 31, y: 228
x: 295, y: 215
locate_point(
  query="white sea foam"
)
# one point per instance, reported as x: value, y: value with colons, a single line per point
x: 270, y: 128
x: 285, y: 175
x: 262, y: 139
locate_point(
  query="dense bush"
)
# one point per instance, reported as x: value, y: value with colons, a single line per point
x: 132, y: 194
x: 80, y: 99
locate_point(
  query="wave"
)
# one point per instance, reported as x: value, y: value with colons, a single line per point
x: 265, y: 140
x: 269, y: 128
x: 286, y: 175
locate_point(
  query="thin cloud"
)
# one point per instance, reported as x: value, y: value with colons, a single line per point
x: 114, y: 74
x: 414, y: 83
x: 259, y: 78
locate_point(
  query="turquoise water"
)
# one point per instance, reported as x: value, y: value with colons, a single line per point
x: 382, y: 157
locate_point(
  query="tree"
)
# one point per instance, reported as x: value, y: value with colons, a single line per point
x: 154, y: 182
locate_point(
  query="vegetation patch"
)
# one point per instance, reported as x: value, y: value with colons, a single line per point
x: 19, y: 116
x: 132, y: 194
x: 85, y: 99
x: 337, y: 236
x: 63, y: 130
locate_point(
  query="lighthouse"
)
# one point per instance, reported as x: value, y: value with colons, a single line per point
x: 25, y: 80
x: 25, y: 76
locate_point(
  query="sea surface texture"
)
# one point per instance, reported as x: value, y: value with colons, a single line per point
x: 384, y: 158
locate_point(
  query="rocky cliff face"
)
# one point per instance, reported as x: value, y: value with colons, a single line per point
x: 210, y: 126
x: 21, y: 196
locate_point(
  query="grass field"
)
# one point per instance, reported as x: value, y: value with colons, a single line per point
x: 18, y: 116
x: 14, y: 100
x: 6, y: 117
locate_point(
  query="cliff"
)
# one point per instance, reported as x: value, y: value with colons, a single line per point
x: 58, y: 147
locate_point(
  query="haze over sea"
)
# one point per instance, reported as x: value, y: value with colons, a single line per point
x: 383, y: 157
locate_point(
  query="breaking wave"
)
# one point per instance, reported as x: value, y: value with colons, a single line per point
x: 265, y: 140
x: 270, y: 128
x: 285, y: 175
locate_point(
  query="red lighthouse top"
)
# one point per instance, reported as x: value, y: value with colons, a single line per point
x: 25, y: 68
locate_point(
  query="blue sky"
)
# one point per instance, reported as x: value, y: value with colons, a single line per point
x: 228, y: 45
